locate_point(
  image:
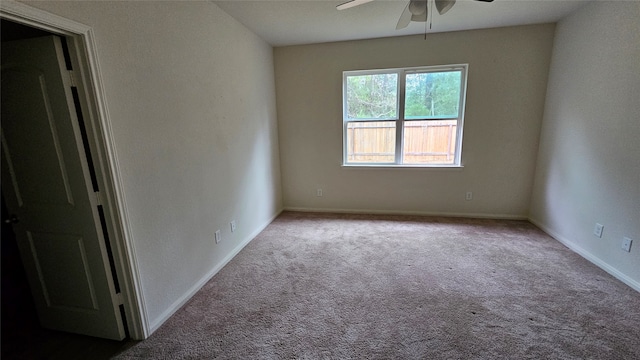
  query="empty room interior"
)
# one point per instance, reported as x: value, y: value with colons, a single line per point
x: 243, y: 222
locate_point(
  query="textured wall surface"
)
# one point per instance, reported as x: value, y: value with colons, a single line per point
x: 589, y: 162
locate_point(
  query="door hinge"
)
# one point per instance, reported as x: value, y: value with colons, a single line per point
x: 98, y: 198
x: 72, y: 79
x: 119, y: 299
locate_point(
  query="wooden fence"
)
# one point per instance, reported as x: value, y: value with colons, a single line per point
x: 425, y: 142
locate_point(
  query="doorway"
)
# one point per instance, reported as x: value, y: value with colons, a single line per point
x: 22, y: 335
x: 86, y: 78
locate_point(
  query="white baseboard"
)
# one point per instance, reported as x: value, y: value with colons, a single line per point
x: 200, y: 283
x: 401, y: 212
x: 587, y: 255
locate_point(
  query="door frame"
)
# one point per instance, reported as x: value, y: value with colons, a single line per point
x: 84, y: 58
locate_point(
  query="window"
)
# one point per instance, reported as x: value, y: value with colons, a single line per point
x: 404, y: 117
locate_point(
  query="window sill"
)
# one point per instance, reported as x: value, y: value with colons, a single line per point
x: 391, y: 166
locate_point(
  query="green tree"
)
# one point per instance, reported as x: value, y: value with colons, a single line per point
x: 372, y: 96
x: 432, y: 94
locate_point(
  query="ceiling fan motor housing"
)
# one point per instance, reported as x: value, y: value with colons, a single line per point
x: 418, y: 7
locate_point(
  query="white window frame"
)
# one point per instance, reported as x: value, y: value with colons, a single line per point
x: 400, y: 119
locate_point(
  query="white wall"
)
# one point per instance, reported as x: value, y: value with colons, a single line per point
x: 191, y: 98
x: 589, y: 162
x: 507, y: 80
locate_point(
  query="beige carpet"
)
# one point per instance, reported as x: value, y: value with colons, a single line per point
x: 323, y: 286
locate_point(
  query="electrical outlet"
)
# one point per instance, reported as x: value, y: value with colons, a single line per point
x: 218, y: 236
x: 626, y: 244
x: 319, y: 192
x: 468, y: 196
x: 233, y: 225
x: 597, y: 230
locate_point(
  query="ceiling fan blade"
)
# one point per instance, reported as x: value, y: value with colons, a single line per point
x: 352, y: 3
x: 445, y: 5
x: 405, y: 18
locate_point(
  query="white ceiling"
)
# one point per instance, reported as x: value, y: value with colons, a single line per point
x: 294, y: 22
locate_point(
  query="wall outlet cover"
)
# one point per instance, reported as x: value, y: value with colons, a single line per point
x: 597, y: 230
x: 626, y: 244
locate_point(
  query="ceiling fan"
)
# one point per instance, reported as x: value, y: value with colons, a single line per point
x: 416, y: 10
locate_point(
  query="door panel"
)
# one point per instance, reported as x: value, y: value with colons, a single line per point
x: 46, y: 158
x: 59, y: 253
x: 47, y: 185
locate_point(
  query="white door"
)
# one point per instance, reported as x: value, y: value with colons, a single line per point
x: 47, y: 187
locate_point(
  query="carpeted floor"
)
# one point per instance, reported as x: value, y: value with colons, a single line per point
x: 325, y: 286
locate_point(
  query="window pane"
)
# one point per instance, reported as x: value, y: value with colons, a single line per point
x: 371, y: 142
x: 435, y: 94
x: 372, y: 96
x: 429, y: 142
